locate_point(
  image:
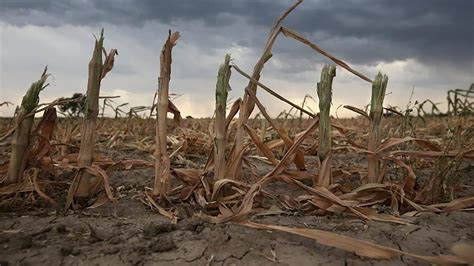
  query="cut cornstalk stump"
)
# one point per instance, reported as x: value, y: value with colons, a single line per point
x: 222, y: 88
x: 379, y: 87
x: 22, y: 135
x: 162, y: 161
x: 324, y: 89
x: 98, y: 69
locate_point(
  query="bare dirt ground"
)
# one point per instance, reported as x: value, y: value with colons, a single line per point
x: 132, y: 234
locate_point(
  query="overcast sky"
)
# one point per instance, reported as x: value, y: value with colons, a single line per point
x: 428, y: 45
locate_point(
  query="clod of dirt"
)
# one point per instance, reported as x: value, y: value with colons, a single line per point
x: 186, y: 211
x: 135, y: 259
x: 4, y: 239
x: 17, y: 242
x: 61, y: 228
x: 42, y: 231
x: 140, y: 250
x: 111, y: 250
x: 81, y: 202
x: 6, y: 207
x: 69, y: 250
x: 115, y: 240
x: 193, y: 225
x: 26, y: 242
x: 162, y: 245
x: 152, y: 229
x: 93, y: 236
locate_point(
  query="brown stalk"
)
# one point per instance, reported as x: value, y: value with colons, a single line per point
x: 248, y: 104
x: 376, y: 110
x: 293, y: 34
x: 272, y: 92
x: 261, y: 145
x: 44, y: 130
x: 247, y: 202
x: 66, y: 137
x: 299, y: 158
x: 162, y: 163
x: 98, y: 69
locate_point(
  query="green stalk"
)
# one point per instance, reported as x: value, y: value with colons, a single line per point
x: 379, y: 87
x: 222, y: 88
x: 24, y: 122
x: 324, y: 89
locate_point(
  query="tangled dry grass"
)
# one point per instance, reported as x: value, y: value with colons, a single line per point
x: 373, y: 167
x: 416, y: 179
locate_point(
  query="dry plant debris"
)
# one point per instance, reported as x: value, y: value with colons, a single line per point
x: 212, y: 164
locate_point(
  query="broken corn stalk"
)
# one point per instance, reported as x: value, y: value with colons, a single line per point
x: 324, y: 89
x: 379, y: 87
x: 86, y: 150
x: 162, y: 162
x: 222, y: 88
x: 22, y: 135
x: 98, y: 69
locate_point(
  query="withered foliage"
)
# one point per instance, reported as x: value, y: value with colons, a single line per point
x: 359, y: 167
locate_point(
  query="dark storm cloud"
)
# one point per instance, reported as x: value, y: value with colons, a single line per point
x: 133, y: 12
x: 388, y: 30
x: 362, y: 32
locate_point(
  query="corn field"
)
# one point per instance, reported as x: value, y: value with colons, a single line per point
x: 242, y: 187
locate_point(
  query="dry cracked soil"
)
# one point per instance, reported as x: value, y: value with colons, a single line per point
x: 130, y: 233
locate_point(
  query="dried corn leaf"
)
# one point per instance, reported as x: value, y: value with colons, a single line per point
x: 33, y: 180
x: 464, y: 251
x: 357, y: 110
x: 109, y: 62
x: 359, y: 247
x: 459, y: 204
x: 396, y: 141
x: 172, y: 216
x: 290, y: 33
x: 102, y: 178
x: 261, y: 146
